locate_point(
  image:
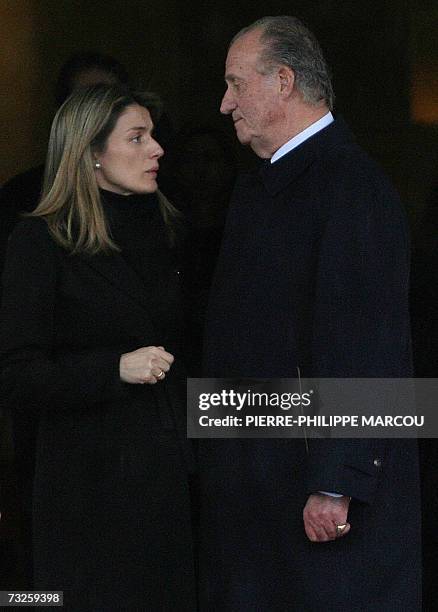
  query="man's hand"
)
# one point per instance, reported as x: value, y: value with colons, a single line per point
x: 322, y: 513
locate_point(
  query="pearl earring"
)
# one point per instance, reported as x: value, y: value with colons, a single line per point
x: 97, y: 165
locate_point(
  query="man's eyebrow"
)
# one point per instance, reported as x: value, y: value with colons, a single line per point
x: 232, y: 77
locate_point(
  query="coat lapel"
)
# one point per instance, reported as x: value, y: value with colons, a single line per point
x: 288, y: 168
x: 124, y: 280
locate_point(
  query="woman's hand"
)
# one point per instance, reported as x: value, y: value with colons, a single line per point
x: 148, y: 364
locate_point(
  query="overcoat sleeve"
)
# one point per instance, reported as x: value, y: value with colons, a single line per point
x: 35, y: 370
x: 361, y: 323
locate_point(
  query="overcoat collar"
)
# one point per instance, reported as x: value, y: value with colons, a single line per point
x: 288, y: 168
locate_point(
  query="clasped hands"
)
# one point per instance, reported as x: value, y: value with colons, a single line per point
x: 322, y: 514
x: 148, y: 364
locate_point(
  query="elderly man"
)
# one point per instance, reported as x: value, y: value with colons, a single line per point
x: 313, y: 275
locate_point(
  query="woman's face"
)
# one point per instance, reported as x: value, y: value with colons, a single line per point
x: 129, y: 161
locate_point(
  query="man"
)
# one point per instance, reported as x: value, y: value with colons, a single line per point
x: 312, y: 275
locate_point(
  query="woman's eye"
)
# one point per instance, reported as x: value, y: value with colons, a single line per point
x: 136, y: 139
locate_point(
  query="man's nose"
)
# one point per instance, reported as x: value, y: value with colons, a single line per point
x: 227, y: 104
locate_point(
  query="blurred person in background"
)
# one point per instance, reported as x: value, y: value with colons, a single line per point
x: 203, y: 168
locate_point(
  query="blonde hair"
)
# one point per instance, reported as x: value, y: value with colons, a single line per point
x: 70, y: 201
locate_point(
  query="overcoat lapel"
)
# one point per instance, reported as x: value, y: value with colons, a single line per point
x: 126, y: 282
x: 276, y: 177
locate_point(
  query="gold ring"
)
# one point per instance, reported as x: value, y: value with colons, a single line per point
x: 340, y: 529
x: 160, y: 375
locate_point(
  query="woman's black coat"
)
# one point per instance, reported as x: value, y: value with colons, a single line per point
x: 112, y: 523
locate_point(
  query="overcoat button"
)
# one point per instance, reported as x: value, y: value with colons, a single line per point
x: 377, y: 462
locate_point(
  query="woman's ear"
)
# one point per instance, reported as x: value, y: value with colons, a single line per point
x: 96, y: 162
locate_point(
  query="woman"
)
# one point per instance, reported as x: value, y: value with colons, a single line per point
x: 90, y: 341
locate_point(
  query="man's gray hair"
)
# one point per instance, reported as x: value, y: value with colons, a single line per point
x: 287, y: 42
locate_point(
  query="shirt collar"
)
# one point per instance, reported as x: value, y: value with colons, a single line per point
x: 302, y: 136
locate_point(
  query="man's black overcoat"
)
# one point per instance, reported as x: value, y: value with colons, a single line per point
x: 112, y: 521
x: 313, y: 273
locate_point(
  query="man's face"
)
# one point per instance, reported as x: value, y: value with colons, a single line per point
x: 251, y: 97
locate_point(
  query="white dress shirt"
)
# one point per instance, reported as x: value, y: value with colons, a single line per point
x: 302, y: 136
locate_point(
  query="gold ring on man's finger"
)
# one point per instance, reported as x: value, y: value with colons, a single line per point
x: 340, y: 529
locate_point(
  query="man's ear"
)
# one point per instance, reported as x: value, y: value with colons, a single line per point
x: 286, y: 77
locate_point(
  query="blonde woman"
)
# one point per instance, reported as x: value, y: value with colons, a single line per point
x: 90, y: 341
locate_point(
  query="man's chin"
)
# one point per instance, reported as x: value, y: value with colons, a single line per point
x: 243, y: 138
x: 246, y: 141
